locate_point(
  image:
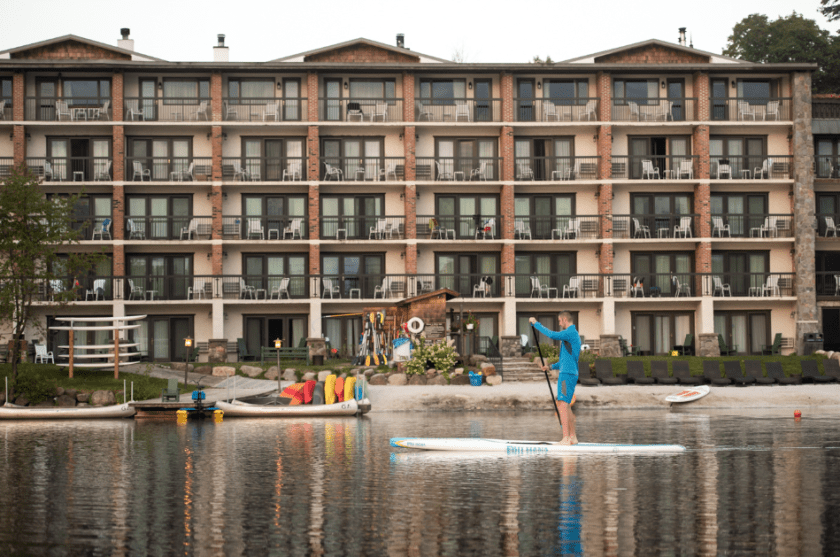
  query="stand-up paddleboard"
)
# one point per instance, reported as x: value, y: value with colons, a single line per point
x: 689, y: 394
x: 501, y: 445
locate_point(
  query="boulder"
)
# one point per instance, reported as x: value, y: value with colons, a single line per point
x: 309, y: 376
x: 82, y: 397
x: 289, y: 374
x: 271, y: 373
x: 179, y: 366
x: 59, y: 391
x: 322, y: 375
x: 458, y: 371
x: 460, y: 380
x: 431, y: 372
x: 223, y: 371
x: 22, y: 401
x: 379, y: 379
x: 836, y: 356
x: 476, y: 359
x: 102, y: 398
x: 251, y: 371
x: 49, y: 403
x: 71, y: 392
x: 437, y: 380
x: 82, y: 405
x: 819, y: 352
x: 488, y: 369
x: 369, y: 373
x: 398, y: 379
x: 829, y: 353
x: 494, y: 380
x: 65, y: 401
x: 418, y: 380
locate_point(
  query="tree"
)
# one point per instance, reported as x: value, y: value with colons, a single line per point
x: 538, y: 60
x: 830, y: 9
x: 35, y: 233
x: 787, y: 39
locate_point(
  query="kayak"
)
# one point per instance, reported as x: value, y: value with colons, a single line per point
x: 514, y: 447
x: 11, y: 411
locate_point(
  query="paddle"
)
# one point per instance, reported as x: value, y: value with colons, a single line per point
x: 547, y: 380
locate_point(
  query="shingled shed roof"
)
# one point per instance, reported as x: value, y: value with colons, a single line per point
x: 445, y: 291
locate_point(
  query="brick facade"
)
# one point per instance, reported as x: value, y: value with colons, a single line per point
x: 410, y: 211
x: 411, y: 259
x: 702, y: 208
x: 216, y: 203
x: 506, y: 83
x: 118, y: 260
x: 69, y: 50
x: 603, y: 85
x: 363, y: 54
x: 117, y: 95
x: 508, y: 260
x: 703, y: 95
x: 409, y: 151
x: 700, y: 146
x: 216, y: 94
x: 217, y: 256
x: 313, y: 149
x: 314, y: 259
x: 508, y: 213
x: 216, y: 147
x: 19, y: 144
x: 118, y: 213
x: 653, y: 54
x: 408, y: 96
x: 507, y: 153
x: 314, y: 212
x: 118, y: 152
x: 703, y: 259
x: 605, y: 199
x: 312, y: 96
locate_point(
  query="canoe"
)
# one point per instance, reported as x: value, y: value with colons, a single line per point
x: 518, y: 447
x: 244, y: 409
x: 11, y: 411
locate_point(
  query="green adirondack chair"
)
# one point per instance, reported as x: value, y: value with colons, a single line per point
x: 687, y: 347
x: 724, y: 349
x: 774, y: 349
x: 244, y: 355
x: 171, y: 391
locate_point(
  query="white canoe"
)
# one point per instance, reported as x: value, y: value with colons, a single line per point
x: 689, y: 393
x: 519, y: 447
x: 14, y: 412
x: 244, y: 409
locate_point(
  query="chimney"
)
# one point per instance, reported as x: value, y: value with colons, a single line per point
x: 682, y: 36
x: 400, y: 40
x: 125, y: 42
x: 220, y: 51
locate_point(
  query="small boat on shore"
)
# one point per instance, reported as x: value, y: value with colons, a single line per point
x: 526, y: 447
x: 237, y: 408
x: 11, y: 411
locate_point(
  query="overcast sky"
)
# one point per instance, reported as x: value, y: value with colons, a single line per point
x: 490, y: 31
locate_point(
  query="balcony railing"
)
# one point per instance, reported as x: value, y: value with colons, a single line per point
x: 363, y: 228
x: 68, y: 109
x: 556, y: 110
x: 752, y: 284
x: 556, y: 168
x: 730, y: 225
x: 560, y: 285
x: 6, y: 113
x: 168, y: 109
x: 457, y: 110
x: 828, y: 283
x: 360, y: 110
x: 264, y: 169
x: 168, y: 169
x: 69, y: 289
x: 181, y: 227
x: 6, y: 166
x: 458, y: 169
x: 751, y: 167
x: 654, y: 167
x: 262, y: 109
x: 653, y: 109
x: 827, y: 225
x: 642, y: 226
x: 348, y: 169
x: 459, y: 227
x: 825, y: 108
x: 827, y: 166
x: 264, y: 227
x: 71, y: 169
x: 750, y: 109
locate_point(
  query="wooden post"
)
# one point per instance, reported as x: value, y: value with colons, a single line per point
x: 116, y: 353
x: 71, y: 349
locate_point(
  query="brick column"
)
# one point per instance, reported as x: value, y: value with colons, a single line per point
x: 410, y: 151
x: 312, y: 96
x: 605, y: 152
x: 507, y: 212
x: 314, y: 215
x: 703, y: 95
x: 702, y: 207
x: 700, y: 146
x: 19, y: 144
x: 314, y: 260
x: 508, y: 259
x: 117, y: 94
x: 605, y: 194
x: 411, y: 259
x: 216, y: 147
x: 313, y: 149
x: 702, y: 264
x: 18, y: 97
x: 408, y: 96
x: 118, y: 260
x: 216, y: 200
x: 605, y: 260
x: 216, y: 96
x: 217, y: 259
x: 507, y: 153
x: 118, y: 152
x: 118, y: 212
x: 603, y: 84
x: 507, y: 97
x: 410, y: 209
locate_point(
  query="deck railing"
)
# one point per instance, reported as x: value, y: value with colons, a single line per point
x: 461, y: 169
x: 750, y: 109
x: 654, y: 109
x: 71, y: 169
x: 580, y: 109
x: 264, y: 169
x: 264, y: 109
x: 751, y: 167
x: 464, y: 110
x: 167, y: 109
x: 358, y: 169
x: 264, y: 227
x: 168, y: 169
x: 355, y: 109
x: 556, y: 168
x: 655, y: 167
x: 67, y: 109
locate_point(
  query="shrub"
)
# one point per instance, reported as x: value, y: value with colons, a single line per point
x: 417, y: 364
x: 443, y: 357
x: 36, y: 388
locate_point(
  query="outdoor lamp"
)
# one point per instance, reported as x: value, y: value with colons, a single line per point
x: 187, y: 346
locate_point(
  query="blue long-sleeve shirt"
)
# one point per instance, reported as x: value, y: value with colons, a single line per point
x: 568, y: 363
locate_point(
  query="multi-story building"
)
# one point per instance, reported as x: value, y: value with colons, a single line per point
x: 655, y: 190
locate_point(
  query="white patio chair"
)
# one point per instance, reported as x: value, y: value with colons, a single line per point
x: 830, y: 227
x: 41, y: 354
x: 724, y: 170
x: 537, y: 288
x: 637, y: 288
x: 480, y: 173
x: 133, y: 110
x: 718, y: 227
x: 424, y: 110
x: 48, y: 172
x: 255, y: 228
x: 589, y: 110
x: 380, y: 110
x: 293, y: 228
x: 104, y: 112
x: 462, y: 110
x: 663, y: 111
x: 379, y: 231
x: 183, y: 174
x: 489, y: 227
x: 649, y: 170
x: 550, y: 112
x: 330, y: 289
x: 642, y: 230
x: 745, y: 110
x: 720, y: 288
x: 61, y: 110
x: 140, y: 172
x: 522, y: 228
x: 683, y: 228
x: 770, y: 227
x: 292, y: 171
x: 443, y: 174
x: 2, y: 110
x: 381, y: 290
x: 481, y: 288
x: 135, y: 290
x: 239, y: 173
x: 246, y: 290
x: 56, y: 287
x: 198, y: 289
x: 102, y: 171
x: 524, y: 171
x: 837, y: 285
x: 200, y: 111
x: 281, y: 289
x: 229, y: 112
x: 763, y: 170
x: 388, y: 170
x: 97, y: 290
x: 333, y: 172
x: 101, y: 230
x: 686, y: 169
x: 634, y: 111
x: 272, y: 110
x: 771, y: 286
x: 772, y: 112
x: 572, y: 228
x: 191, y: 230
x: 573, y: 288
x: 135, y: 232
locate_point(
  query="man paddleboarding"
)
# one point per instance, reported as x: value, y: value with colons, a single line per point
x: 568, y: 368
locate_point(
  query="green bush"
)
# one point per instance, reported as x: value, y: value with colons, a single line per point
x: 443, y: 357
x: 35, y: 387
x: 417, y: 364
x: 550, y: 353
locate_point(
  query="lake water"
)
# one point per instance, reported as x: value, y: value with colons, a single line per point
x: 752, y: 484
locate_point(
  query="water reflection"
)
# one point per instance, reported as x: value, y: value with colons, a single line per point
x: 755, y: 484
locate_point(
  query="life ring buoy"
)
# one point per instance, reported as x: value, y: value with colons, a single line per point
x: 415, y: 325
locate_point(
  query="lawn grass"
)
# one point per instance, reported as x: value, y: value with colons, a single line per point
x: 790, y: 364
x: 299, y: 366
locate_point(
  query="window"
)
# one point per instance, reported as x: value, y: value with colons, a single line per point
x: 543, y: 213
x: 162, y: 217
x: 168, y: 276
x: 267, y: 271
x: 81, y: 280
x: 654, y: 333
x: 81, y: 92
x: 273, y: 159
x: 361, y: 272
x: 185, y: 91
x: 744, y: 331
x: 756, y: 91
x: 665, y: 154
x: 741, y: 270
x: 6, y: 95
x: 640, y: 91
x: 827, y: 154
x: 741, y: 211
x: 656, y: 271
x: 457, y: 158
x: 355, y: 215
x: 545, y: 159
x: 567, y: 91
x: 462, y: 272
x: 551, y: 269
x: 250, y: 89
x: 161, y: 156
x: 443, y: 91
x: 827, y: 267
x: 740, y: 153
x: 343, y: 333
x: 464, y: 213
x: 84, y: 158
x: 357, y: 158
x: 90, y: 212
x: 291, y: 99
x: 661, y: 211
x: 365, y: 88
x: 276, y: 213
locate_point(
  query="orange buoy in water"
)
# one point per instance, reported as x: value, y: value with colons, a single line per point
x: 797, y: 414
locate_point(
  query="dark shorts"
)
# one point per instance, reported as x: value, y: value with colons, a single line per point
x: 566, y: 383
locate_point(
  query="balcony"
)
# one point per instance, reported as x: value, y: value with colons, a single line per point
x: 544, y: 169
x: 821, y: 108
x: 360, y: 110
x: 6, y: 166
x: 463, y: 227
x: 752, y: 167
x: 553, y: 286
x: 71, y: 169
x: 168, y: 169
x: 458, y: 169
x: 827, y: 166
x: 747, y: 109
x: 264, y: 227
x: 646, y: 227
x: 68, y: 109
x: 169, y: 109
x: 360, y: 169
x: 828, y: 284
x: 262, y: 109
x: 827, y: 225
x: 362, y: 228
x: 264, y: 169
x: 723, y: 285
x: 728, y: 225
x: 69, y: 289
x: 181, y: 227
x: 654, y: 167
x: 653, y: 109
x: 458, y: 110
x: 556, y: 110
x: 6, y: 111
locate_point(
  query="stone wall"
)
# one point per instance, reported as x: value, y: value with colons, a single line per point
x: 707, y: 345
x: 511, y: 347
x: 610, y: 348
x: 217, y: 350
